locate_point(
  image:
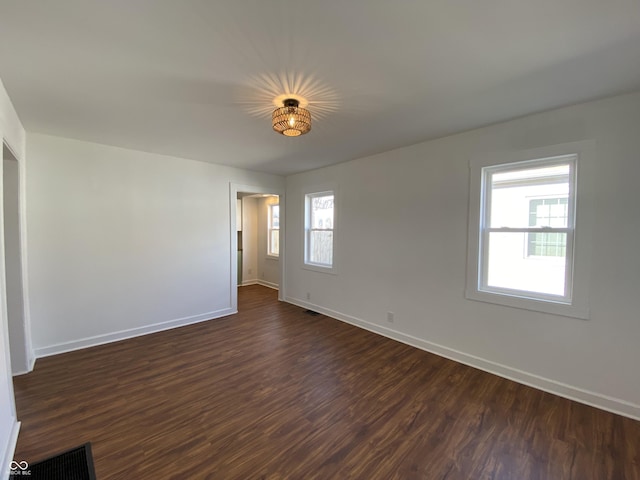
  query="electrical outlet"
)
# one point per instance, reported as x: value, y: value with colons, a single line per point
x: 391, y: 317
x: 308, y: 296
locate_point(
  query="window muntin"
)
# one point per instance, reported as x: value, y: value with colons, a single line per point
x: 273, y: 240
x: 548, y: 212
x: 523, y: 252
x: 319, y: 226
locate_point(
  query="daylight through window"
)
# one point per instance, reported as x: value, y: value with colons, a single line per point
x: 274, y: 231
x: 319, y: 219
x: 527, y: 229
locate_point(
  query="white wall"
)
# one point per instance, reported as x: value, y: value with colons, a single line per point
x: 12, y: 133
x: 123, y: 243
x: 249, y: 240
x: 402, y: 243
x: 268, y: 266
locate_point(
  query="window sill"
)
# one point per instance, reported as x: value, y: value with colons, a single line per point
x: 273, y: 257
x: 554, y: 308
x: 319, y: 268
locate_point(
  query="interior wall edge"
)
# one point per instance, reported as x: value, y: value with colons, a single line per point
x: 30, y: 367
x: 10, y: 447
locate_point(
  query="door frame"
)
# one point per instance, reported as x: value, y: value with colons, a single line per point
x: 234, y: 189
x: 27, y: 348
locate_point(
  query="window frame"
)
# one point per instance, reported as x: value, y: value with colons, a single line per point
x: 271, y: 229
x: 308, y: 196
x: 575, y: 301
x: 486, y: 230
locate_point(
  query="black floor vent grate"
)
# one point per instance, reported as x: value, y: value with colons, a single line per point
x: 75, y: 464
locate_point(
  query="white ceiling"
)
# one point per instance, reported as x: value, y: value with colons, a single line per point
x: 196, y: 78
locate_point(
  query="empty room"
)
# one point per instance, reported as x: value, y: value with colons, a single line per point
x: 320, y: 240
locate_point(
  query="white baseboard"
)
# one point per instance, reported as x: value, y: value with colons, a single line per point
x: 603, y: 402
x: 32, y: 362
x: 264, y: 283
x: 7, y: 458
x: 130, y: 333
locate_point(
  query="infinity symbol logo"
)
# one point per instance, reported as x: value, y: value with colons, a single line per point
x: 19, y: 465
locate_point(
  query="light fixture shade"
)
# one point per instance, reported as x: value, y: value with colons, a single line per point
x: 291, y: 120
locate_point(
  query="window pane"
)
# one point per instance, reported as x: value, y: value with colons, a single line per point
x: 547, y: 244
x: 513, y: 192
x: 549, y: 212
x: 275, y: 216
x: 508, y: 266
x: 321, y: 247
x: 322, y: 212
x: 274, y: 242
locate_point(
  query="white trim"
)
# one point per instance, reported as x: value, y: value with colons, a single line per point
x: 25, y: 348
x: 12, y: 134
x: 594, y: 399
x: 264, y: 283
x: 485, y: 228
x: 130, y: 333
x: 319, y: 268
x: 32, y: 363
x: 22, y: 220
x: 22, y: 201
x: 7, y: 458
x: 532, y: 304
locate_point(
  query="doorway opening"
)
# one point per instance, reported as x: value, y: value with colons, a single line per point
x: 257, y: 239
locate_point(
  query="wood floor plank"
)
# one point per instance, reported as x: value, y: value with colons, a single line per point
x: 274, y: 393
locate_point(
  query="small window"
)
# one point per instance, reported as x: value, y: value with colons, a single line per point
x: 273, y: 247
x: 319, y: 226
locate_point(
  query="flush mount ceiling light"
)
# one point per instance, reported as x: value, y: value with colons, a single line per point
x: 291, y: 120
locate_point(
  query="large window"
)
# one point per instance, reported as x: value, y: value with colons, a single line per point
x: 529, y: 228
x: 273, y: 247
x: 319, y: 229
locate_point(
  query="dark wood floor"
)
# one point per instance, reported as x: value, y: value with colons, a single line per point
x: 274, y: 393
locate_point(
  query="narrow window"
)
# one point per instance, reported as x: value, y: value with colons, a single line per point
x: 319, y: 229
x: 273, y: 247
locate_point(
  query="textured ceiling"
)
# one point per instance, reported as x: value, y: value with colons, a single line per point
x: 197, y: 79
